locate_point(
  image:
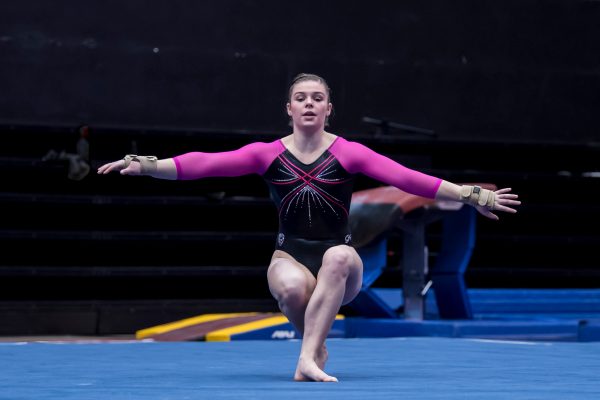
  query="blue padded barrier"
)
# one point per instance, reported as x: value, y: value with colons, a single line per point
x: 447, y: 276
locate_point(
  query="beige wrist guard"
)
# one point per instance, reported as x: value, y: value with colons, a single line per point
x: 477, y: 196
x: 147, y: 163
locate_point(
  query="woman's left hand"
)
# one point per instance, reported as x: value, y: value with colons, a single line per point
x: 503, y: 200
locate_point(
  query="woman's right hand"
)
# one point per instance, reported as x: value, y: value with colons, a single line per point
x: 134, y: 168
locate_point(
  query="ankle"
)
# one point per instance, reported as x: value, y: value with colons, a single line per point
x: 307, y: 357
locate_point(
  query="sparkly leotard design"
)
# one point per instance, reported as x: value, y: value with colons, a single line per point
x: 313, y: 200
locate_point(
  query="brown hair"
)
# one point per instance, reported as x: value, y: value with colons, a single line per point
x: 310, y: 77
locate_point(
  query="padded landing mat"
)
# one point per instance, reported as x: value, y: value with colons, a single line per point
x: 226, y: 327
x: 413, y: 368
x: 196, y: 328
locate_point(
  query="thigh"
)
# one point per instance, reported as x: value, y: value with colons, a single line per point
x: 285, y: 272
x: 355, y: 269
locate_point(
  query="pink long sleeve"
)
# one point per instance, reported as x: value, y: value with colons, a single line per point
x: 356, y: 158
x: 253, y: 158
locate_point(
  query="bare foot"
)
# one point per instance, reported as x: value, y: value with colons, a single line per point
x: 307, y: 370
x: 322, y: 357
x: 320, y: 360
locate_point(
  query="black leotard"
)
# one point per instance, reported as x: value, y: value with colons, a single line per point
x: 313, y: 201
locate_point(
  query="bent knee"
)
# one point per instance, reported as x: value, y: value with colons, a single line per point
x: 338, y: 261
x: 289, y: 286
x: 290, y: 293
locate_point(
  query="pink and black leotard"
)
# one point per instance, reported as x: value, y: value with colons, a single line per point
x: 313, y: 200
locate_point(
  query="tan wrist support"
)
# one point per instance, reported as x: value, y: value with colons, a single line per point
x: 148, y: 164
x: 477, y: 196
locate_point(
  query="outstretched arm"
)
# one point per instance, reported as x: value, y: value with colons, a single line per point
x: 252, y: 158
x: 161, y: 169
x: 357, y: 158
x: 485, y: 202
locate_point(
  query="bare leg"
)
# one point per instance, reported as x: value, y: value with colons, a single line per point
x: 292, y: 284
x: 338, y: 282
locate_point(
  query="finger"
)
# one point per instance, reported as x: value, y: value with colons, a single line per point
x: 111, y: 167
x: 487, y: 213
x: 105, y: 169
x: 509, y: 202
x: 491, y: 215
x: 502, y: 191
x: 128, y: 171
x: 502, y: 208
x: 507, y: 196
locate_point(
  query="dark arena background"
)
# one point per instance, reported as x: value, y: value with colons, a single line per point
x: 499, y: 92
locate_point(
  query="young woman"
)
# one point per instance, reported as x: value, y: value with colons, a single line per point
x: 314, y: 269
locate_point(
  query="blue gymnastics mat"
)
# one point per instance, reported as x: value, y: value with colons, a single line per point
x: 398, y: 368
x: 501, y: 314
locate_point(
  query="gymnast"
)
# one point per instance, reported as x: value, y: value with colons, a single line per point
x: 314, y: 269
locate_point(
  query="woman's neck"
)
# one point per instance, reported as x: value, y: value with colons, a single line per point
x: 305, y: 147
x: 307, y: 142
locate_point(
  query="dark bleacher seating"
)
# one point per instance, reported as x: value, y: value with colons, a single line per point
x: 115, y: 254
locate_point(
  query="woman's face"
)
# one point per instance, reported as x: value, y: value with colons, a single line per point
x: 309, y: 105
